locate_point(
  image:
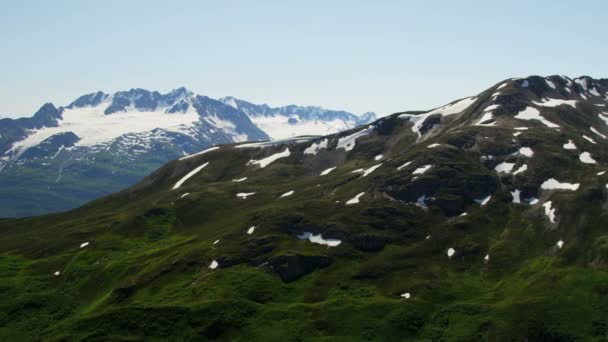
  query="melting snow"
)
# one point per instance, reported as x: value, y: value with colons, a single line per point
x: 201, y: 152
x: 368, y: 170
x: 421, y: 170
x: 327, y: 171
x: 515, y: 195
x: 526, y: 151
x: 589, y: 139
x: 348, y: 142
x: 504, y: 167
x: 521, y: 169
x: 555, y: 102
x: 597, y: 132
x: 84, y: 244
x: 316, y: 147
x: 586, y: 158
x: 486, y: 117
x: 552, y: 184
x: 251, y: 230
x: 319, y: 239
x: 288, y: 193
x: 266, y: 161
x: 404, y: 165
x: 532, y: 200
x: 550, y: 212
x: 453, y: 108
x: 530, y: 113
x: 188, y: 175
x: 213, y: 265
x: 569, y: 145
x: 244, y: 195
x: 451, y: 252
x: 355, y: 199
x: 483, y: 201
x: 421, y: 201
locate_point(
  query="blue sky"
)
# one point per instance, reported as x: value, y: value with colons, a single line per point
x: 382, y: 56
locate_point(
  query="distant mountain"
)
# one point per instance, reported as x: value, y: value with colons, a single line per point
x: 291, y: 121
x: 100, y: 143
x: 480, y: 220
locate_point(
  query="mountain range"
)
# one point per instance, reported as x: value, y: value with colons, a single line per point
x: 62, y: 157
x: 484, y: 219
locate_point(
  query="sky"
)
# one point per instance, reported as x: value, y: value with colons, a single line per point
x: 381, y: 56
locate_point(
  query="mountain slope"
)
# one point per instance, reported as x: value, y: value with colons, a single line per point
x: 100, y: 143
x: 479, y: 220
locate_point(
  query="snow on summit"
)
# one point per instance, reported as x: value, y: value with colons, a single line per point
x: 93, y: 127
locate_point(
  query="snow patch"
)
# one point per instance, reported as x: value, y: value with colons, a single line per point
x: 521, y: 169
x: 553, y: 184
x: 250, y: 230
x: 555, y: 102
x: 238, y: 180
x: 530, y: 113
x: 483, y: 201
x: 421, y: 170
x: 569, y: 145
x: 515, y: 194
x: 327, y: 171
x: 586, y: 158
x: 348, y: 142
x: 367, y: 171
x: 504, y: 167
x: 316, y: 147
x: 84, y: 244
x: 268, y: 160
x: 213, y: 265
x: 201, y: 152
x: 355, y: 199
x: 451, y: 251
x: 318, y: 239
x: 188, y: 175
x: 244, y: 195
x: 288, y: 193
x: 526, y: 151
x: 589, y: 139
x: 597, y: 132
x: 404, y: 165
x: 550, y: 212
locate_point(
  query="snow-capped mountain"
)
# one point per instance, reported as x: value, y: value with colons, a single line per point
x: 290, y: 121
x: 59, y: 157
x: 480, y: 220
